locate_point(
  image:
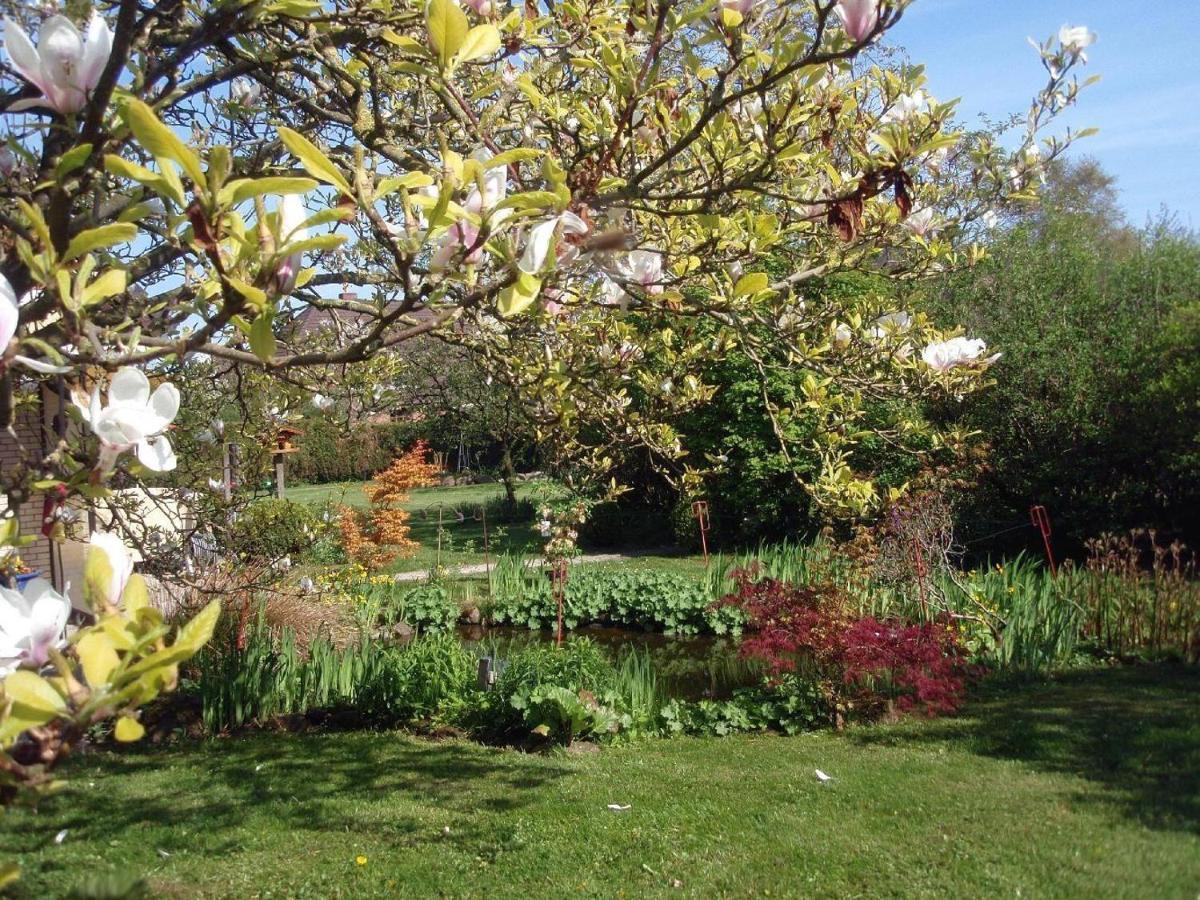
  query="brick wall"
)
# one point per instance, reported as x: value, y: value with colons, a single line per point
x: 31, y: 437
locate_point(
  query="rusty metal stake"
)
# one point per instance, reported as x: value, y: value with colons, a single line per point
x: 1041, y: 521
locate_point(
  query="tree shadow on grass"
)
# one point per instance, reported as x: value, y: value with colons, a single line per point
x: 1134, y: 731
x: 315, y: 784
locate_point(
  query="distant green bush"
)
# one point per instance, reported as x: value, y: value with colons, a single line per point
x: 272, y: 529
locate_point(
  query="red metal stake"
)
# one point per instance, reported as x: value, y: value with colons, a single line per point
x: 922, y: 571
x: 559, y: 581
x: 1041, y: 521
x: 700, y: 511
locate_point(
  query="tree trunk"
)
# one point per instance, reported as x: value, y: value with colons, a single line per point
x: 508, y: 475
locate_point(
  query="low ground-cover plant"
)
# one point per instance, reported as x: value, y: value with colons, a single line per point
x: 385, y: 604
x: 634, y: 598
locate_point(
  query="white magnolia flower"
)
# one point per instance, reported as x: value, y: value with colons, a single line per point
x: 134, y: 419
x: 859, y: 17
x: 9, y: 318
x: 544, y: 236
x: 120, y: 564
x: 544, y: 528
x: 31, y: 624
x: 8, y: 161
x: 67, y: 65
x: 960, y: 351
x: 1075, y: 39
x: 216, y: 485
x: 495, y: 188
x: 320, y: 401
x: 907, y: 106
x: 922, y: 222
x: 640, y: 267
x: 292, y: 216
x: 842, y: 334
x: 990, y: 220
x: 890, y: 323
x: 244, y: 92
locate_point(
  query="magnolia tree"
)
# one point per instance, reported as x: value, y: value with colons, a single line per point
x: 562, y: 188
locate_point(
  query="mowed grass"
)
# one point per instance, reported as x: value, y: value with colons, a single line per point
x: 461, y: 522
x: 1085, y: 787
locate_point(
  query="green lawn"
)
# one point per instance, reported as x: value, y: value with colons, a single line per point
x: 462, y: 541
x: 1088, y: 786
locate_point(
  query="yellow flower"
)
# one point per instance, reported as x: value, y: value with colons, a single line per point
x: 360, y: 860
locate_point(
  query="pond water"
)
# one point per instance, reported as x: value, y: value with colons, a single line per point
x: 687, y: 668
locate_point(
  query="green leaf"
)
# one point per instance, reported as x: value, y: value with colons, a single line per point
x: 123, y: 168
x: 160, y: 140
x: 34, y: 701
x: 107, y: 285
x: 448, y: 27
x: 518, y: 297
x: 407, y: 181
x: 316, y: 163
x: 128, y: 729
x: 482, y: 40
x: 262, y: 338
x: 517, y: 154
x: 72, y: 160
x: 244, y: 189
x: 98, y: 238
x: 751, y: 283
x: 97, y: 656
x: 255, y: 295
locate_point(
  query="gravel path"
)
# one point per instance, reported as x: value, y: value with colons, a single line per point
x: 482, y: 568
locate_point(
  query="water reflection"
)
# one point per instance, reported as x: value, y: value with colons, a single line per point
x: 688, y: 668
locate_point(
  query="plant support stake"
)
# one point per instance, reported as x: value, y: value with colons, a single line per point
x: 1041, y: 521
x: 700, y: 511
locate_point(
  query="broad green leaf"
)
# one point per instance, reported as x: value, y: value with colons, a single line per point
x: 99, y: 238
x: 196, y: 633
x: 136, y: 595
x: 517, y: 154
x: 319, y: 242
x: 72, y: 160
x: 128, y: 729
x: 519, y: 296
x: 255, y: 295
x: 482, y: 40
x: 97, y: 580
x: 161, y: 141
x: 407, y: 181
x: 123, y: 168
x: 404, y: 42
x: 262, y: 338
x: 448, y: 27
x: 107, y: 285
x: 244, y: 189
x: 316, y: 163
x: 97, y: 656
x: 751, y: 283
x: 31, y: 701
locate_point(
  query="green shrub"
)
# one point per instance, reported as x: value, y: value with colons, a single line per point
x: 502, y: 512
x: 272, y: 529
x: 578, y: 665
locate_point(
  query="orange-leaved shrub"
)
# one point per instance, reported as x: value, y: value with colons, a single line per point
x: 381, y: 534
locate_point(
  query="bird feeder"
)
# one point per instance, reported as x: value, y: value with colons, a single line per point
x: 284, y: 445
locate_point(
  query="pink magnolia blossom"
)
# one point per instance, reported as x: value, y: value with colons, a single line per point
x: 65, y: 66
x: 859, y: 18
x: 31, y: 624
x: 291, y: 230
x: 481, y: 7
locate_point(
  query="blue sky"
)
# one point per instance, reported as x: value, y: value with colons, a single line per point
x: 1147, y: 104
